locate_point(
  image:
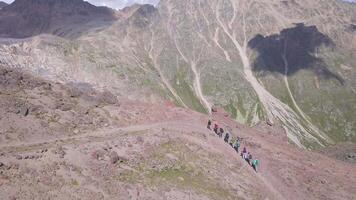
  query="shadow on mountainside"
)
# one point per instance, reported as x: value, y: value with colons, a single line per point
x: 295, y: 45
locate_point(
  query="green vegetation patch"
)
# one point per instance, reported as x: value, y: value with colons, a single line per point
x: 186, y: 93
x: 176, y: 164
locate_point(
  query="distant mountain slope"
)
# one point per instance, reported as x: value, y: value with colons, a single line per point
x: 285, y: 62
x: 2, y: 4
x: 25, y: 18
x: 69, y: 142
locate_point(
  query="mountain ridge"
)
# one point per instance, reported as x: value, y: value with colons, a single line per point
x: 2, y: 4
x: 35, y: 17
x: 176, y: 59
x: 118, y: 108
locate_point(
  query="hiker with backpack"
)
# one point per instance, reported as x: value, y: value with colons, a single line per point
x: 255, y: 164
x: 209, y: 124
x: 221, y: 132
x: 237, y: 145
x: 249, y: 158
x: 244, y: 151
x: 216, y: 127
x: 226, y: 138
x: 232, y: 141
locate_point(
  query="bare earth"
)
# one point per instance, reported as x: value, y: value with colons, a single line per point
x: 58, y: 142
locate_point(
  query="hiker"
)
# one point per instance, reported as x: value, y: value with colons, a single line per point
x: 216, y: 127
x: 226, y: 138
x: 249, y: 159
x: 237, y: 145
x: 255, y: 164
x: 246, y: 156
x: 221, y: 132
x: 209, y: 124
x: 243, y: 152
x: 232, y: 141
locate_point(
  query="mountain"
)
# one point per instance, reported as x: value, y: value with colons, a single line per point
x: 104, y: 104
x: 25, y: 18
x: 70, y: 141
x: 291, y: 64
x: 2, y: 4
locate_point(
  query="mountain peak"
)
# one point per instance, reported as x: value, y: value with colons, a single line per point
x: 34, y: 5
x: 146, y: 9
x: 2, y: 4
x: 140, y: 9
x: 34, y: 17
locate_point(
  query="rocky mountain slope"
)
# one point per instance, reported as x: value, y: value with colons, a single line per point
x: 284, y: 62
x: 74, y: 142
x: 104, y: 104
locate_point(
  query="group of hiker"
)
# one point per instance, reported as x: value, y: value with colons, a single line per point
x: 228, y: 138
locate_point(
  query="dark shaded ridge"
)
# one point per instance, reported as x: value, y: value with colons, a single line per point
x: 295, y: 45
x: 26, y: 18
x: 2, y: 4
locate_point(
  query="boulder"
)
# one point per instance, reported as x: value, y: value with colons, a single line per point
x: 66, y: 107
x: 23, y: 110
x: 108, y: 98
x: 99, y: 154
x: 74, y: 92
x: 46, y: 86
x: 37, y: 109
x: 214, y: 109
x: 114, y: 157
x: 63, y: 106
x: 269, y: 123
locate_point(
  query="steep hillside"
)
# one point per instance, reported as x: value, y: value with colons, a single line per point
x: 276, y: 61
x: 103, y: 104
x: 74, y: 142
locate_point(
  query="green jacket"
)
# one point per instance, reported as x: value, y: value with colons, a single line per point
x: 255, y: 162
x: 237, y: 143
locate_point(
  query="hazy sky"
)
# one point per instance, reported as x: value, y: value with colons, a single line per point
x: 118, y: 4
x: 113, y: 3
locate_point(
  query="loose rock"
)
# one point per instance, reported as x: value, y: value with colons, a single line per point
x: 114, y: 157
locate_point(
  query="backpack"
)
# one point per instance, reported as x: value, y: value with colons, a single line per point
x: 237, y: 143
x: 227, y: 136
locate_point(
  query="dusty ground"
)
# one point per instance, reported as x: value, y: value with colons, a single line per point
x: 74, y: 142
x: 344, y: 151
